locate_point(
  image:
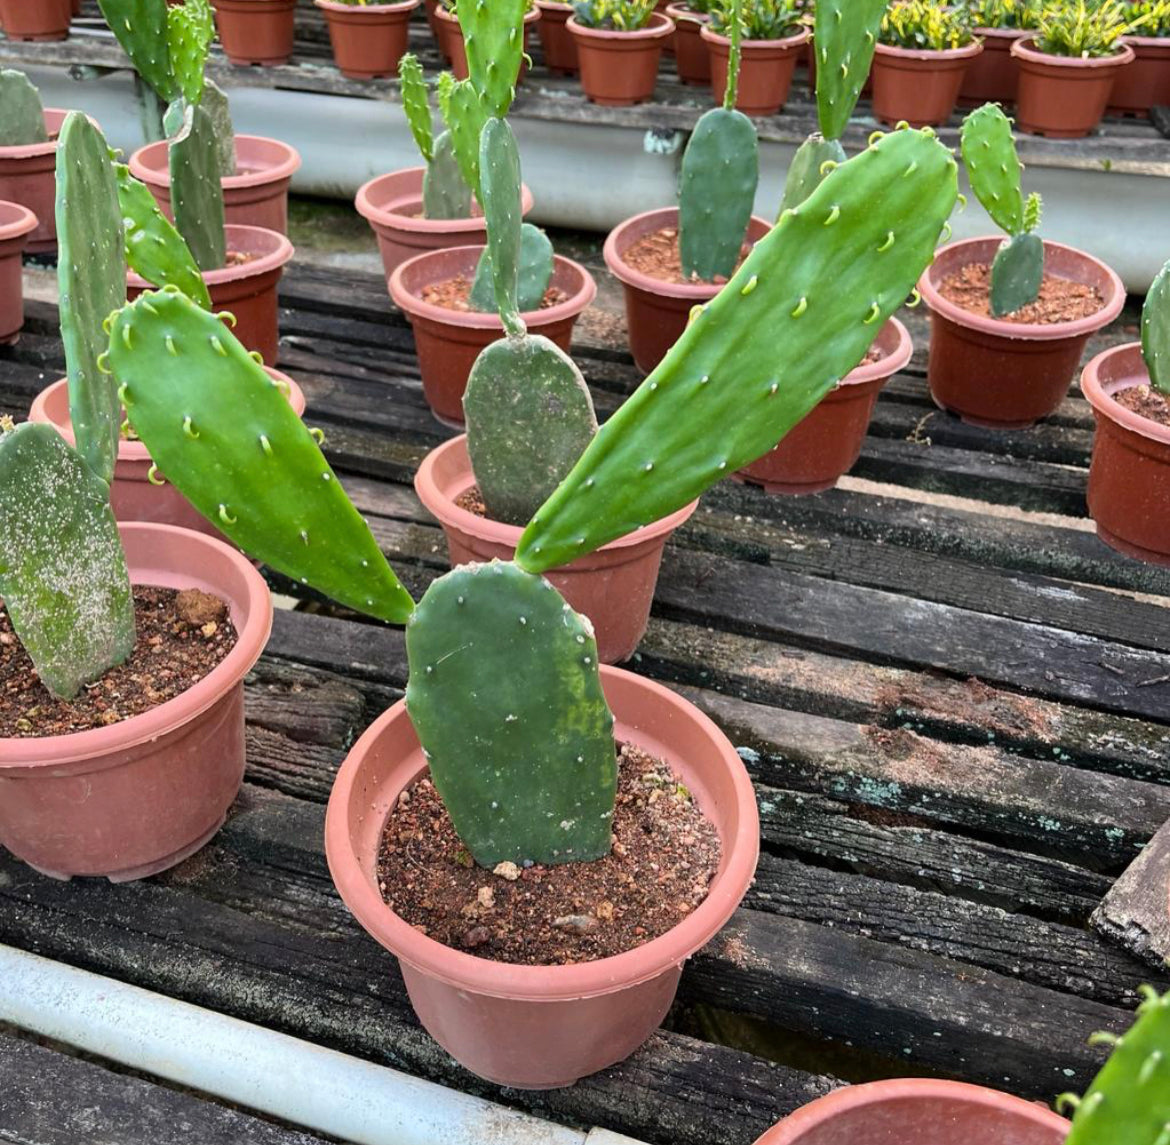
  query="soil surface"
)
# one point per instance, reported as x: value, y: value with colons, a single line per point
x: 1145, y: 402
x: 455, y: 292
x: 182, y: 636
x: 238, y: 258
x: 664, y: 856
x: 656, y: 255
x: 1060, y: 299
x: 471, y: 500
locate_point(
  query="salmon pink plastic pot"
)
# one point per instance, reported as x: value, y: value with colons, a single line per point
x: 1129, y: 478
x: 560, y: 49
x: 1145, y: 83
x: 448, y: 341
x: 27, y: 175
x: 1064, y: 97
x: 993, y: 76
x: 620, y: 69
x: 657, y: 312
x: 614, y: 586
x: 136, y: 797
x: 919, y: 1111
x: 36, y: 19
x: 256, y: 31
x: 765, y: 73
x: 368, y: 40
x: 452, y: 46
x: 248, y: 290
x: 1008, y: 375
x: 255, y: 196
x: 16, y: 224
x: 542, y: 1027
x: 692, y: 56
x: 826, y: 444
x: 919, y: 87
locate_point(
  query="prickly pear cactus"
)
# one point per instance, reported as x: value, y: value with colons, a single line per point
x: 225, y: 436
x: 493, y: 34
x: 215, y: 103
x: 844, y: 39
x: 535, y: 273
x: 91, y: 282
x: 196, y: 189
x: 815, y: 158
x: 190, y: 30
x: 141, y: 28
x: 416, y: 105
x: 1017, y: 273
x: 465, y: 115
x: 993, y: 167
x: 506, y: 699
x: 22, y: 118
x: 446, y: 194
x: 63, y: 575
x: 1156, y: 331
x: 499, y: 173
x: 798, y: 316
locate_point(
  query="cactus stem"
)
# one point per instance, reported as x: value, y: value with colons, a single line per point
x: 189, y: 428
x: 875, y: 313
x: 801, y: 307
x: 153, y: 477
x: 834, y: 215
x: 887, y: 244
x: 225, y: 516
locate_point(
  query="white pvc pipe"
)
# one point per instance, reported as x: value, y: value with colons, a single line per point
x: 285, y: 1077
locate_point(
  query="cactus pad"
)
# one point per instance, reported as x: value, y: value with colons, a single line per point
x: 844, y: 39
x: 141, y: 28
x: 190, y: 30
x: 993, y: 167
x: 506, y: 699
x: 798, y: 316
x: 536, y: 271
x: 196, y: 189
x: 22, y: 118
x: 1156, y: 331
x: 225, y: 436
x: 499, y: 174
x: 215, y: 102
x: 1017, y: 274
x: 63, y: 574
x: 465, y: 115
x: 493, y: 34
x: 416, y: 105
x: 808, y: 169
x: 446, y: 194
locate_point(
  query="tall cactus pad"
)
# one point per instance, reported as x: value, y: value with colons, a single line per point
x: 190, y: 30
x: 1156, y: 331
x: 22, y: 118
x: 446, y: 194
x: 844, y: 39
x: 717, y: 188
x: 527, y: 770
x: 493, y: 34
x: 465, y: 115
x: 808, y: 169
x: 993, y: 167
x: 536, y: 270
x: 91, y: 283
x: 499, y: 175
x: 224, y: 434
x: 1129, y: 1101
x: 1017, y: 273
x: 416, y: 105
x: 196, y: 189
x: 529, y: 417
x: 63, y: 575
x: 798, y: 316
x: 215, y: 102
x: 141, y: 28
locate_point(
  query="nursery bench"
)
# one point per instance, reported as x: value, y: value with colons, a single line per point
x: 957, y: 715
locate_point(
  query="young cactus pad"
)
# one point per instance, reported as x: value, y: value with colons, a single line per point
x: 22, y: 119
x: 141, y: 28
x: 446, y: 194
x: 63, y: 575
x: 190, y: 30
x: 506, y: 699
x: 814, y: 159
x: 223, y: 432
x: 465, y: 114
x: 1156, y: 331
x: 499, y: 173
x: 493, y: 35
x: 1129, y: 1101
x: 196, y: 189
x: 844, y: 39
x: 535, y: 273
x: 798, y: 316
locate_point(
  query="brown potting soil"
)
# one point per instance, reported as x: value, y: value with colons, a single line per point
x: 239, y: 258
x: 664, y: 856
x: 182, y: 636
x: 471, y: 501
x: 1145, y: 402
x: 657, y: 255
x: 455, y: 292
x: 1061, y: 300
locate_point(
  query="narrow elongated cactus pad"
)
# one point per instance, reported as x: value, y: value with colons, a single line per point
x: 63, y: 575
x: 844, y: 39
x: 190, y: 30
x: 1017, y: 274
x: 215, y: 102
x: 798, y: 316
x: 493, y: 34
x: 1156, y: 331
x: 993, y: 167
x: 416, y: 105
x: 529, y: 417
x: 225, y: 436
x: 196, y: 189
x: 141, y: 28
x: 499, y: 195
x: 91, y: 282
x: 465, y: 114
x: 22, y: 118
x: 808, y: 169
x: 536, y: 270
x: 506, y: 699
x: 446, y: 194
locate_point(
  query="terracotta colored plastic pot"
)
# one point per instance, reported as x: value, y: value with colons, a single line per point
x: 620, y: 69
x: 692, y: 56
x: 994, y: 75
x: 432, y: 19
x: 560, y: 49
x: 249, y: 290
x: 16, y: 224
x: 1064, y: 97
x: 1129, y: 479
x: 766, y: 70
x: 392, y: 204
x: 449, y: 341
x: 256, y: 196
x: 541, y: 1027
x: 451, y: 40
x: 918, y: 1111
x: 256, y: 31
x: 614, y: 586
x: 827, y: 443
x: 368, y: 40
x: 1146, y: 82
x: 1008, y: 375
x: 27, y: 175
x: 657, y: 312
x: 36, y: 19
x: 134, y: 798
x: 133, y: 496
x: 919, y: 87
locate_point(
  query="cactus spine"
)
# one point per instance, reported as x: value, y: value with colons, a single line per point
x: 196, y: 189
x: 22, y: 119
x: 1156, y: 331
x: 506, y: 698
x: 446, y: 195
x: 821, y: 284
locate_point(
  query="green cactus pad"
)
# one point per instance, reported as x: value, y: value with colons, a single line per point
x: 529, y: 417
x: 1156, y: 331
x: 196, y: 189
x: 506, y: 699
x: 493, y: 34
x: 22, y: 118
x: 91, y: 283
x: 446, y: 194
x: 141, y: 28
x: 465, y: 115
x: 536, y: 270
x: 844, y: 39
x: 215, y: 102
x: 808, y: 169
x: 190, y: 30
x: 1017, y: 274
x: 499, y: 174
x: 993, y: 167
x: 416, y: 105
x: 798, y: 316
x: 63, y: 574
x: 225, y: 436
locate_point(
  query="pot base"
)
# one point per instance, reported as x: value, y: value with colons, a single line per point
x: 982, y: 422
x: 1128, y: 549
x: 784, y: 487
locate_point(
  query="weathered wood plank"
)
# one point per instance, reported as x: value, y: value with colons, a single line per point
x: 1136, y: 911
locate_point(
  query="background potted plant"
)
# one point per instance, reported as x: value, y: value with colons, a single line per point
x: 16, y: 224
x: 36, y: 19
x: 994, y: 75
x: 619, y: 46
x: 774, y: 38
x: 692, y: 56
x: 368, y: 38
x: 560, y: 49
x: 256, y: 31
x: 1145, y: 83
x: 924, y: 49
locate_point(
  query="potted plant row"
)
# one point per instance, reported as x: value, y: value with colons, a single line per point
x: 774, y: 38
x: 692, y: 56
x: 994, y: 75
x: 1144, y: 84
x: 256, y: 32
x: 619, y: 46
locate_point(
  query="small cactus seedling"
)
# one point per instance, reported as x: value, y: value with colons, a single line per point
x: 22, y: 118
x: 506, y: 698
x: 993, y: 167
x: 446, y: 194
x: 1156, y: 331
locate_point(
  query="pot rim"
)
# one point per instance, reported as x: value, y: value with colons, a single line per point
x: 52, y: 751
x: 36, y: 150
x: 1148, y: 42
x: 1024, y: 49
x: 241, y: 6
x: 555, y: 5
x: 1103, y: 401
x: 161, y: 177
x: 23, y: 221
x: 712, y: 37
x: 416, y: 307
x: 929, y: 55
x: 1022, y: 331
x: 1005, y: 33
x: 888, y: 365
x: 392, y: 8
x: 279, y: 253
x: 680, y: 12
x: 548, y: 983
x: 659, y: 27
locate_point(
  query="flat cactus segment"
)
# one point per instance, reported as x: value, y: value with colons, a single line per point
x: 844, y: 39
x: 465, y: 115
x: 506, y: 699
x: 1017, y: 274
x: 446, y: 194
x: 141, y: 28
x: 22, y: 118
x: 416, y: 105
x: 798, y: 316
x: 196, y: 189
x: 993, y: 167
x: 536, y: 271
x: 190, y: 30
x: 1156, y: 331
x: 529, y: 417
x: 224, y: 434
x: 499, y: 175
x: 808, y: 169
x: 91, y: 282
x: 63, y: 574
x: 154, y: 249
x: 215, y: 102
x: 717, y: 189
x: 493, y: 34
x: 1129, y: 1101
